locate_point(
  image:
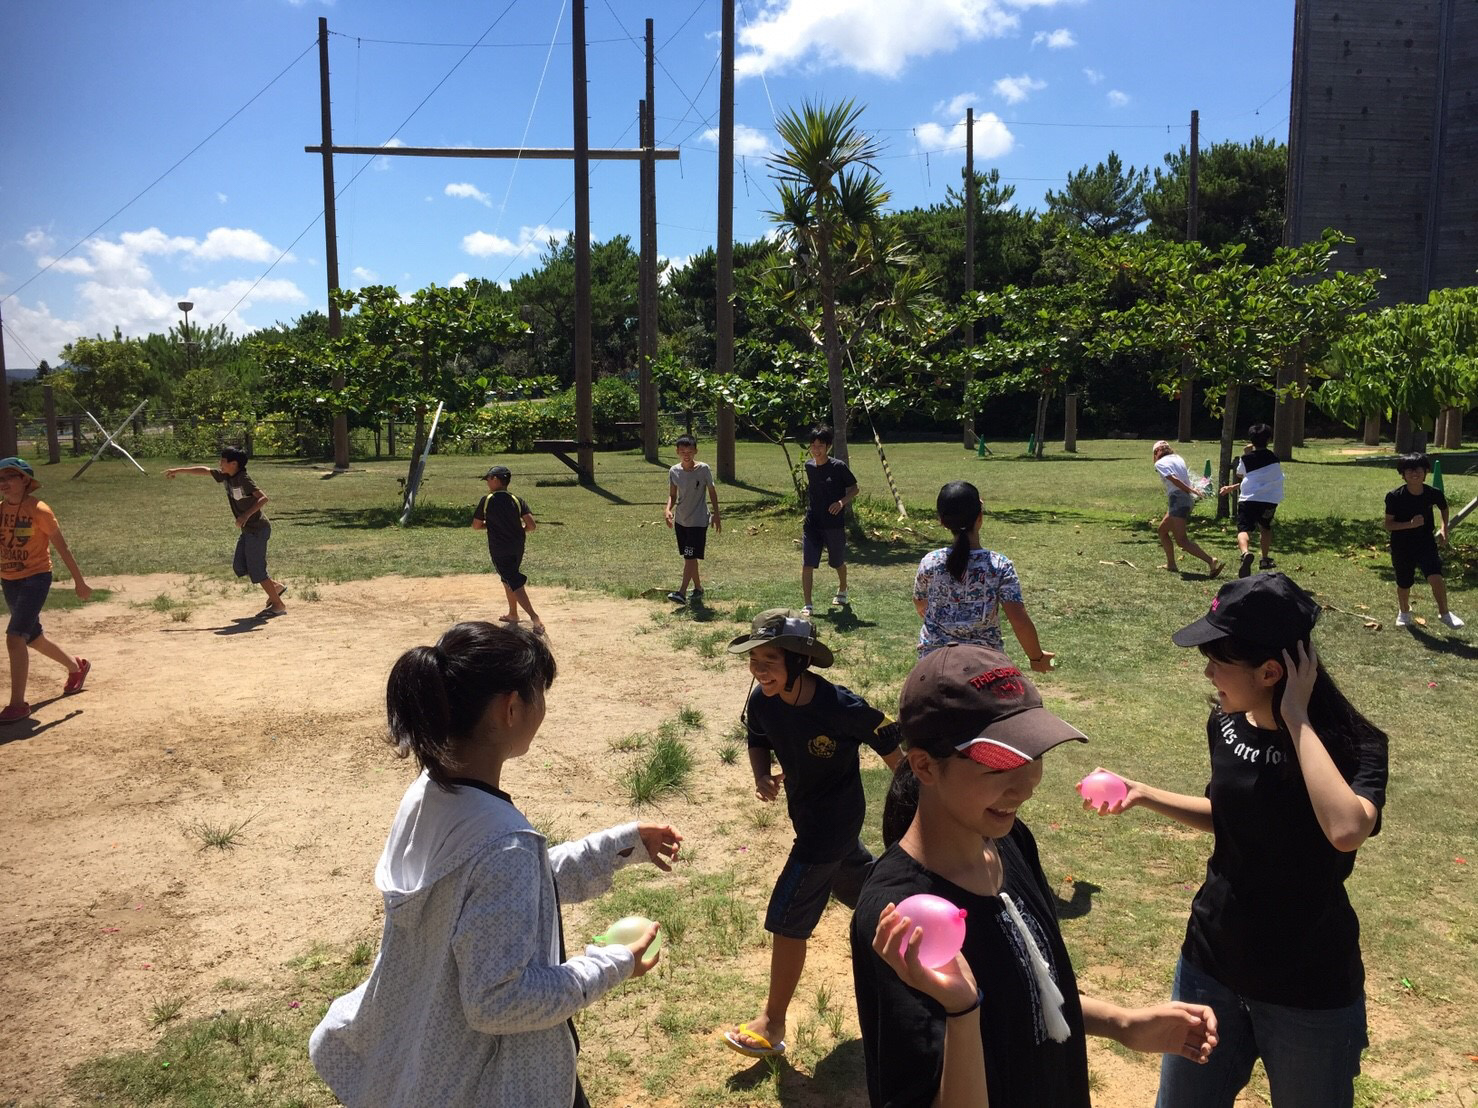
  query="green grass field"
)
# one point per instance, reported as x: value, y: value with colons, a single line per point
x: 1081, y: 530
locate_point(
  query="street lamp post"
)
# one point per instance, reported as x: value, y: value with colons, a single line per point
x: 185, y: 306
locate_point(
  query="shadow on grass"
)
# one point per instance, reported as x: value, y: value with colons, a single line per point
x: 1453, y: 462
x: 840, y: 1078
x: 844, y: 619
x: 1081, y: 902
x: 1458, y: 648
x: 379, y: 518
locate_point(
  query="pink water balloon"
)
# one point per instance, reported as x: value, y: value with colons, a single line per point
x: 1102, y: 787
x: 943, y: 924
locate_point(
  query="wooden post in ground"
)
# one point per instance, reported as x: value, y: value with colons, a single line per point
x: 723, y: 297
x: 967, y: 420
x: 53, y: 445
x: 1192, y: 234
x: 331, y: 240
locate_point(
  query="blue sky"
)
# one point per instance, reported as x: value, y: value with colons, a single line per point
x: 154, y: 148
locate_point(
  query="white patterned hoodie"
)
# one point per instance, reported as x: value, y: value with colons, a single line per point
x: 468, y: 1002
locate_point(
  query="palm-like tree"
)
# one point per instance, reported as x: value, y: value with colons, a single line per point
x: 830, y: 199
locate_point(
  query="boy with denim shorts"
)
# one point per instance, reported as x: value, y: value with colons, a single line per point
x: 246, y: 502
x: 28, y: 530
x: 1410, y: 509
x: 815, y: 730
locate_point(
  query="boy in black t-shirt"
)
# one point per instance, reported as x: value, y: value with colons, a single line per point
x: 507, y: 520
x: 830, y: 487
x: 1410, y: 509
x: 815, y: 730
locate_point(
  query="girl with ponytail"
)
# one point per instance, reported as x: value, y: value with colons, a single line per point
x: 471, y: 998
x: 961, y: 590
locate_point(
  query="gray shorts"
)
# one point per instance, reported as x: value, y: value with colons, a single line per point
x: 1181, y: 504
x: 251, y: 554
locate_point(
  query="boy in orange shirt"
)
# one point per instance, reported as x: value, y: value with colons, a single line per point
x: 28, y: 530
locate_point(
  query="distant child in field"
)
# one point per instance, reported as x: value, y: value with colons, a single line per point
x: 687, y: 513
x: 815, y: 730
x: 471, y: 997
x: 1410, y: 510
x: 1177, y: 481
x: 830, y: 487
x: 1259, y: 489
x: 961, y: 590
x: 507, y: 520
x: 28, y: 530
x: 247, y: 502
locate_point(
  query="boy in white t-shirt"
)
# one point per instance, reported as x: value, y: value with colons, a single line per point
x: 1259, y: 489
x: 687, y: 513
x: 1177, y: 481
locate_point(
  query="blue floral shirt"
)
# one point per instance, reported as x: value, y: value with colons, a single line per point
x: 967, y: 611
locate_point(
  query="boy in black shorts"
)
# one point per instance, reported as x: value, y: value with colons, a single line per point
x: 814, y: 729
x: 830, y: 487
x: 1259, y: 489
x: 507, y: 520
x: 688, y: 515
x: 1410, y: 509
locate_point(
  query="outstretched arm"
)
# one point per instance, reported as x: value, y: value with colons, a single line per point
x: 1174, y: 1028
x: 1193, y: 811
x: 194, y: 471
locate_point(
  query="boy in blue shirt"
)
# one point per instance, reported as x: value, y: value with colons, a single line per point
x: 815, y: 730
x: 1410, y: 509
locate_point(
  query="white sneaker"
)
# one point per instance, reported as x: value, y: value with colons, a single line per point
x: 840, y: 599
x: 806, y: 611
x: 1403, y: 619
x: 1452, y: 620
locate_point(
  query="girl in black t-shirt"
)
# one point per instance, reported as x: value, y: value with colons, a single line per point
x: 1298, y: 780
x: 976, y: 733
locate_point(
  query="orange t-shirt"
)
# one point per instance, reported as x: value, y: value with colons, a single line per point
x: 25, y: 538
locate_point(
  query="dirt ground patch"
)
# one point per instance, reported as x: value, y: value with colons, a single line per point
x: 199, y: 714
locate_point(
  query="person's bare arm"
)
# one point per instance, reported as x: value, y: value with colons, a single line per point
x: 1193, y: 811
x: 766, y: 784
x: 1026, y: 634
x: 718, y: 525
x: 529, y: 523
x: 65, y: 553
x: 192, y: 471
x: 1410, y: 525
x: 671, y: 500
x: 256, y: 506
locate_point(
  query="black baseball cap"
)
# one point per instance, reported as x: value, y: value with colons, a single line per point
x: 973, y: 700
x: 1267, y: 609
x: 499, y: 471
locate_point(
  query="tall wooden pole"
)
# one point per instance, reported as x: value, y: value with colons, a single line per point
x: 723, y: 299
x: 331, y: 238
x: 649, y: 254
x: 7, y: 421
x: 53, y: 444
x: 645, y: 303
x: 1192, y: 231
x: 584, y: 416
x: 967, y: 420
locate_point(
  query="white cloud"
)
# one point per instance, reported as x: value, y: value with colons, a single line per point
x: 871, y: 36
x: 1093, y: 75
x: 221, y: 198
x: 1016, y: 89
x: 956, y: 106
x: 465, y: 191
x: 459, y: 281
x: 382, y: 163
x: 993, y: 139
x: 1040, y: 3
x: 1059, y: 39
x: 674, y: 266
x: 364, y: 276
x: 531, y: 240
x: 232, y: 242
x: 748, y: 142
x: 1117, y: 99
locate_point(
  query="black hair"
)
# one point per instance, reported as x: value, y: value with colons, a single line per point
x: 1418, y: 460
x: 901, y: 804
x: 823, y: 432
x: 686, y: 440
x: 1345, y: 733
x: 958, y: 505
x: 1259, y: 435
x: 234, y: 454
x: 437, y: 694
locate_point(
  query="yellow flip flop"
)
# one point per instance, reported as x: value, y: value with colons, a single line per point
x: 738, y: 1044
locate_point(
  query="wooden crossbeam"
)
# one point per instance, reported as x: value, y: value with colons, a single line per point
x: 532, y: 153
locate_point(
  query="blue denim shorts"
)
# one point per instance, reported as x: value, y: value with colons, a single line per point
x: 25, y: 599
x: 1181, y: 504
x: 803, y: 888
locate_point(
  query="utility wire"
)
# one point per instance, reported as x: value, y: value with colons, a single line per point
x: 528, y: 123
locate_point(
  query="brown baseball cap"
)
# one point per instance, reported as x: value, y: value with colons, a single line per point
x: 973, y: 700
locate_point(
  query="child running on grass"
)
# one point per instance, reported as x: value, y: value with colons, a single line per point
x: 830, y: 487
x: 687, y: 513
x: 1297, y: 784
x: 1182, y: 497
x: 961, y: 590
x: 247, y: 502
x: 1259, y: 489
x: 508, y: 521
x: 1410, y: 511
x: 471, y: 998
x: 815, y: 730
x: 28, y: 530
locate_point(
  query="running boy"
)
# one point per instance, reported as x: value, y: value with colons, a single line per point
x: 830, y: 487
x: 814, y: 729
x: 507, y: 520
x: 247, y: 502
x: 1177, y: 481
x: 1409, y: 511
x: 1259, y: 489
x: 28, y: 530
x: 687, y: 513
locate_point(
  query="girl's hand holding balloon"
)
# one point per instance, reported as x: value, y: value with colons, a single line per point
x: 1108, y: 794
x: 898, y: 941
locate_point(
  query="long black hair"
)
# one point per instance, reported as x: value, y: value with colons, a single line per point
x: 959, y: 507
x: 437, y: 694
x: 1343, y: 730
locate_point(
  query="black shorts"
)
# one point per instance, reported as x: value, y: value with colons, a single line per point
x: 1255, y: 513
x: 802, y: 889
x: 691, y: 540
x: 1406, y: 561
x: 507, y: 566
x: 832, y: 539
